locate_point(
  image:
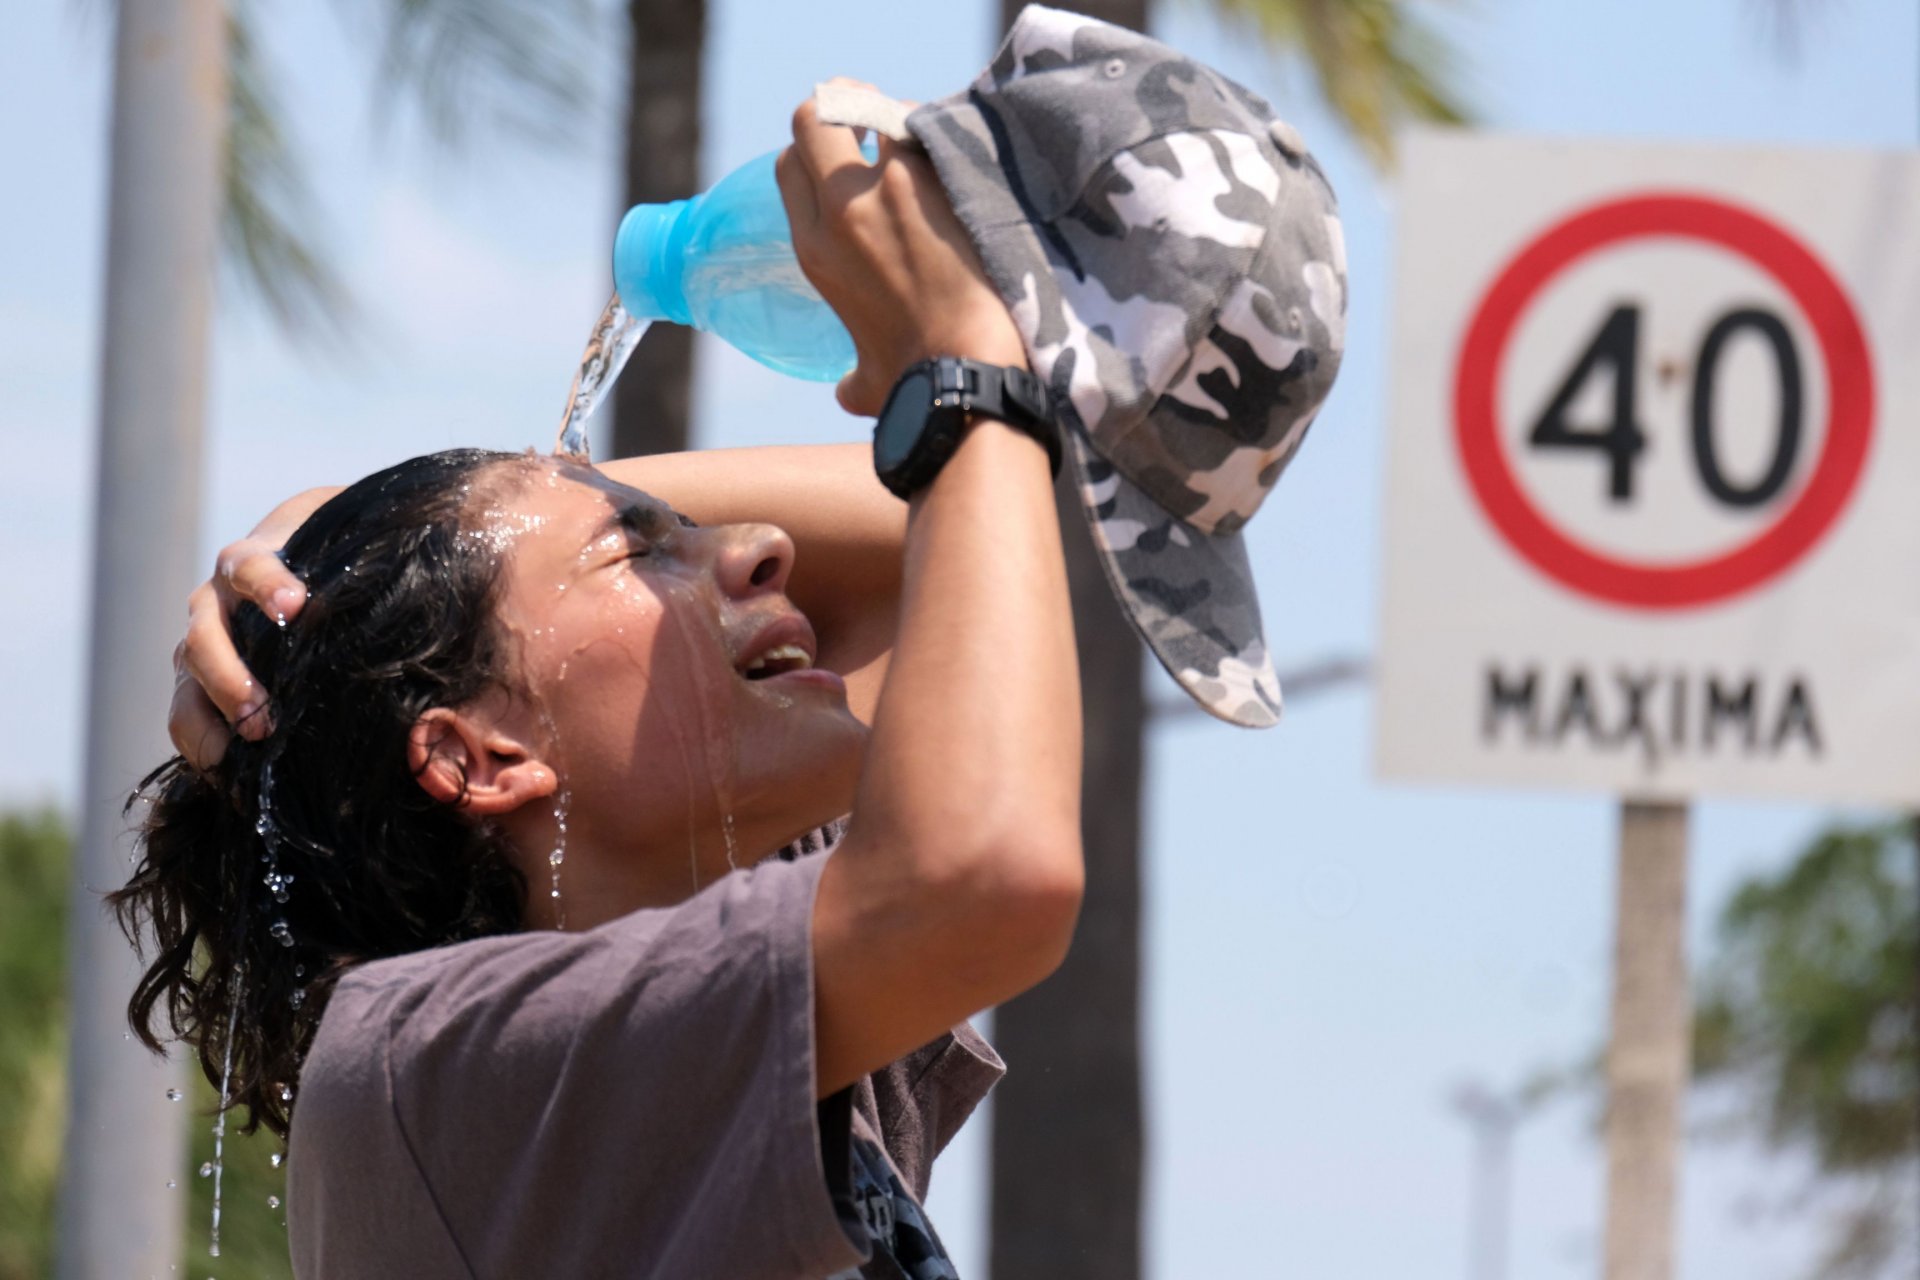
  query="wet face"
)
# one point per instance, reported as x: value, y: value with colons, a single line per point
x: 665, y: 675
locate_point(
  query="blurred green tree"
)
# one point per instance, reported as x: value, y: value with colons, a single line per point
x: 1810, y: 1008
x: 35, y: 850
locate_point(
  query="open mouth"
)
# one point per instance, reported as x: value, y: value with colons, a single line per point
x: 778, y: 661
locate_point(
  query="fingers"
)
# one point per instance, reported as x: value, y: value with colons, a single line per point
x: 863, y: 393
x: 852, y: 395
x: 830, y: 153
x: 252, y: 570
x: 207, y: 660
x: 883, y: 246
x: 796, y: 192
x: 194, y: 723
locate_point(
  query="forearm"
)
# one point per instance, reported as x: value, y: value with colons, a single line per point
x: 846, y: 528
x: 976, y: 744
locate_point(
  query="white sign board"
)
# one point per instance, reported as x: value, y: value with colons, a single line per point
x: 1653, y: 506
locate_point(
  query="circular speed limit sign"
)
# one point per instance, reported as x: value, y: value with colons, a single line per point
x: 1673, y: 443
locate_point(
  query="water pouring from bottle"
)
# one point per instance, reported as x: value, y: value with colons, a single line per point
x: 609, y: 346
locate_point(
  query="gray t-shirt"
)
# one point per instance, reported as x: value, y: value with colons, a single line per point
x: 635, y: 1100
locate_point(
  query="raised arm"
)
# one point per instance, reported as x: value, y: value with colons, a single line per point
x: 846, y: 529
x: 959, y: 881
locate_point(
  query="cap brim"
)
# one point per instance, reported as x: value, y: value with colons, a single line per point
x: 1189, y: 594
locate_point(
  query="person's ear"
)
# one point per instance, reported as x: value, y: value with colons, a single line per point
x: 475, y: 765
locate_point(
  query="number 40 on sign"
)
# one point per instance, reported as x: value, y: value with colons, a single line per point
x: 1648, y: 529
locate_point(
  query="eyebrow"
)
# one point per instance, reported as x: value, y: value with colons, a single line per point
x: 637, y: 519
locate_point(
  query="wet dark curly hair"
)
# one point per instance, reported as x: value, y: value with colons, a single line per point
x: 314, y: 850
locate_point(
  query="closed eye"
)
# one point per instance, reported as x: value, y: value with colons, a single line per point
x: 642, y: 528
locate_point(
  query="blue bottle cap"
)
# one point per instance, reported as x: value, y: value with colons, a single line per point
x: 646, y: 262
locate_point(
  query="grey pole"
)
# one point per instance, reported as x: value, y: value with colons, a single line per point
x: 1493, y: 1119
x: 125, y: 1139
x: 1649, y: 1048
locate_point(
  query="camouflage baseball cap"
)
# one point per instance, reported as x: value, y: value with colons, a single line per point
x: 1173, y: 259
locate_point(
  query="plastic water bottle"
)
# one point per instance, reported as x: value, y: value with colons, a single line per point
x: 723, y: 262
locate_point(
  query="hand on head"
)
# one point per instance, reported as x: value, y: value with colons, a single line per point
x: 214, y: 695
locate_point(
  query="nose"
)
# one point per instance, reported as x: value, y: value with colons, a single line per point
x: 753, y: 559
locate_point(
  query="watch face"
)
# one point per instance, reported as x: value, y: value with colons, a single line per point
x: 901, y: 421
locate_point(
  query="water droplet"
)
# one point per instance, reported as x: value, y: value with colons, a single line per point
x: 280, y: 933
x: 126, y: 1035
x: 174, y: 1095
x: 206, y: 1170
x: 171, y: 1184
x: 562, y: 803
x: 277, y: 1159
x: 298, y: 998
x: 299, y: 971
x: 273, y: 1202
x: 286, y: 1093
x: 214, y: 1248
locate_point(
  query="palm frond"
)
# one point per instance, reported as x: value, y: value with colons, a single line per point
x: 528, y: 65
x: 1378, y: 63
x: 268, y: 205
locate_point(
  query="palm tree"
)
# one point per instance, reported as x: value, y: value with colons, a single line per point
x: 466, y: 65
x: 1068, y: 1139
x: 521, y: 60
x: 651, y: 411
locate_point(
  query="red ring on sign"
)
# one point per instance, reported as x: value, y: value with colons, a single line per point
x: 1850, y: 397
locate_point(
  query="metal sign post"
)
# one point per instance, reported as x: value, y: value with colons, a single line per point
x: 1648, y: 1050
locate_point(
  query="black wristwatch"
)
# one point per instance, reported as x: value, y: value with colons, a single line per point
x: 926, y: 414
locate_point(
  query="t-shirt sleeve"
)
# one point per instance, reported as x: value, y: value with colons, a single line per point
x: 633, y: 1100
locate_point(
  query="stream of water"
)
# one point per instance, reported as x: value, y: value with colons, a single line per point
x: 613, y: 339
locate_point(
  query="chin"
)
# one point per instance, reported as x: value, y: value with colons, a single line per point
x: 811, y: 778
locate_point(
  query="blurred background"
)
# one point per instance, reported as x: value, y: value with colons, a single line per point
x: 1368, y: 1015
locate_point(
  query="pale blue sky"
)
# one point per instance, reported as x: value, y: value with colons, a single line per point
x: 1327, y: 956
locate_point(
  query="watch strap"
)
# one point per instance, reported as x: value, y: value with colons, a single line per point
x: 1006, y: 392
